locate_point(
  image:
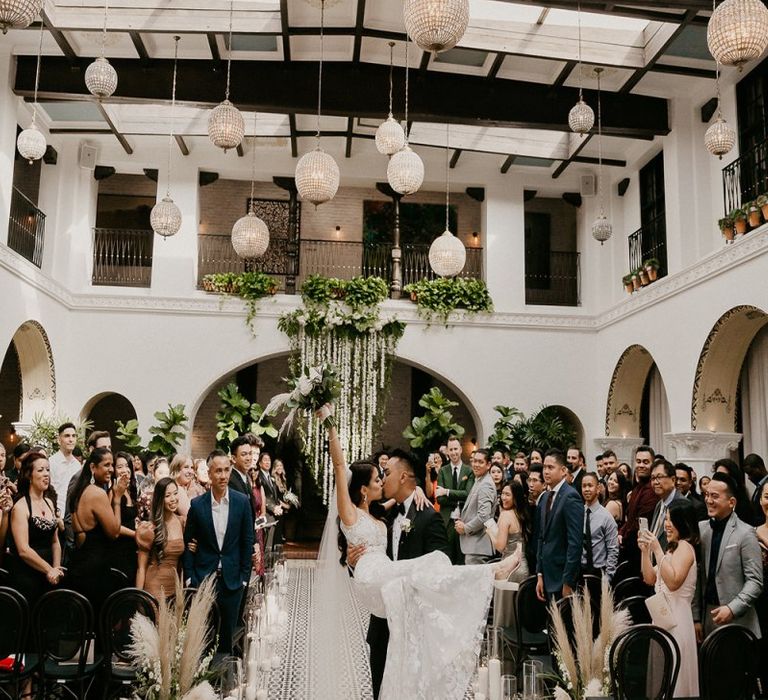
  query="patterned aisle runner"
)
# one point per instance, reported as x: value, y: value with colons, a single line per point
x: 292, y: 680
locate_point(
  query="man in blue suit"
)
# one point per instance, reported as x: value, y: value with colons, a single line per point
x: 221, y: 525
x: 561, y: 519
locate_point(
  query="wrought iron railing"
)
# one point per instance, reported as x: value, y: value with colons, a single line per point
x: 560, y: 286
x: 746, y: 177
x: 344, y: 259
x: 648, y: 242
x: 122, y: 257
x: 26, y: 228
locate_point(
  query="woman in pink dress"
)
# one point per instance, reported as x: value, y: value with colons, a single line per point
x: 260, y: 505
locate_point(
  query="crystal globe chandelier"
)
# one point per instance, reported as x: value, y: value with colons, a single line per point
x: 226, y: 126
x: 390, y: 137
x: 18, y: 14
x: 719, y: 138
x: 581, y: 118
x: 100, y: 76
x: 601, y: 229
x: 317, y: 174
x: 165, y: 217
x: 405, y: 170
x: 436, y: 25
x: 447, y: 253
x: 250, y: 235
x: 31, y: 142
x: 737, y: 31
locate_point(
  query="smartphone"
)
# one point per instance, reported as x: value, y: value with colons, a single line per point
x: 643, y: 524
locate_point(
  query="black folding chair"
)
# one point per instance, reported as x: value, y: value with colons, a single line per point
x: 14, y: 634
x: 631, y: 586
x: 115, y: 630
x: 64, y: 629
x: 528, y: 636
x: 637, y: 609
x: 644, y: 661
x: 728, y: 664
x: 623, y: 570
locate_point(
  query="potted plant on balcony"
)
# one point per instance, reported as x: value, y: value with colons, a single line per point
x: 635, y: 279
x: 627, y: 282
x: 643, y: 275
x: 726, y: 227
x: 762, y: 202
x: 753, y: 213
x: 652, y: 269
x: 739, y: 221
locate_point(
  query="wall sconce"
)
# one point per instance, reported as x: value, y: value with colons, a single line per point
x: 475, y: 237
x: 338, y: 230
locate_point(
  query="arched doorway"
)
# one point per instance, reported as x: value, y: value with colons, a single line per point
x: 105, y: 409
x: 715, y: 388
x: 570, y: 420
x: 10, y: 396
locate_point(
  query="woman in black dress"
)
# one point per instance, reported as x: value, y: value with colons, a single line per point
x: 34, y: 559
x: 124, y: 550
x: 96, y: 523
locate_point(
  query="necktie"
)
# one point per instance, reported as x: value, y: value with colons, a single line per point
x: 550, y: 501
x: 659, y: 524
x: 588, y: 540
x: 455, y: 478
x: 401, y: 508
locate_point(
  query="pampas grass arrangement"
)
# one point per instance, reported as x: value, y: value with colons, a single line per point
x: 170, y: 657
x: 583, y: 662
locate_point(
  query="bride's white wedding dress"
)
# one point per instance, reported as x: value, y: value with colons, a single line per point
x: 436, y: 614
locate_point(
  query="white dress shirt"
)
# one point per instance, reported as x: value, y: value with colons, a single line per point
x: 62, y: 471
x: 220, y: 513
x: 397, y: 526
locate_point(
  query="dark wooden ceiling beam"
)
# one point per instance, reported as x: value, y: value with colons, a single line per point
x: 689, y: 71
x: 141, y: 49
x: 496, y: 65
x: 240, y: 150
x: 612, y: 162
x: 560, y: 169
x: 562, y: 76
x: 507, y: 164
x: 122, y: 140
x: 290, y: 88
x: 58, y: 36
x: 285, y: 30
x: 359, y: 26
x: 350, y: 134
x: 182, y: 144
x: 636, y: 8
x: 213, y: 46
x: 294, y: 142
x: 455, y: 158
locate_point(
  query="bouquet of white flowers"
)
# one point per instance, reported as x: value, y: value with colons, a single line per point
x: 309, y: 391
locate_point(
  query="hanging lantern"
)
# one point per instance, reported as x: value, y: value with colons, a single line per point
x: 720, y: 138
x: 581, y: 118
x: 165, y: 218
x: 101, y: 78
x: 317, y: 176
x: 390, y: 137
x: 436, y: 25
x: 602, y: 229
x: 447, y: 255
x: 18, y: 14
x: 31, y: 143
x: 737, y: 31
x: 226, y: 126
x: 250, y: 236
x: 405, y: 171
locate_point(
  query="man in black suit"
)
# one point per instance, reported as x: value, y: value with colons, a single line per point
x: 576, y: 467
x: 413, y: 533
x: 685, y: 483
x: 754, y: 468
x: 241, y: 455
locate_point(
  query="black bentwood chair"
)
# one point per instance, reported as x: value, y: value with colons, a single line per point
x: 637, y: 609
x: 631, y: 586
x: 115, y: 630
x: 644, y: 661
x: 528, y: 636
x: 64, y: 629
x: 728, y: 664
x: 14, y: 635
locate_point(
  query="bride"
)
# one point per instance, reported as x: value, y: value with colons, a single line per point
x: 436, y: 612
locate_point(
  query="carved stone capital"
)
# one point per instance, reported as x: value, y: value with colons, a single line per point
x: 699, y: 449
x: 624, y: 447
x: 22, y: 429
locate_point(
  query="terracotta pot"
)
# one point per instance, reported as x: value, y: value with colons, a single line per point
x: 413, y: 296
x: 728, y: 233
x: 741, y: 226
x: 653, y: 273
x: 207, y: 285
x: 644, y: 278
x: 635, y: 282
x: 629, y: 287
x: 754, y: 218
x: 765, y: 211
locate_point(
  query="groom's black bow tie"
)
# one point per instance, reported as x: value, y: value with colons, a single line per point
x: 401, y: 508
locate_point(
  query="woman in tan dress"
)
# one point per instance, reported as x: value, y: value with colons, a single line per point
x: 161, y: 541
x: 183, y: 472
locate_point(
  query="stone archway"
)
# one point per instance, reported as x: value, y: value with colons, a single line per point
x: 37, y: 371
x: 570, y: 418
x: 104, y: 409
x: 625, y: 394
x: 713, y: 401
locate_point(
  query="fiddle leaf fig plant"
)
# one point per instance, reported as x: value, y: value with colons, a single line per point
x: 427, y: 432
x: 170, y: 431
x: 238, y: 416
x: 128, y: 434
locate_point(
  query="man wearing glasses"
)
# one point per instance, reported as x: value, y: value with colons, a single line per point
x: 663, y: 484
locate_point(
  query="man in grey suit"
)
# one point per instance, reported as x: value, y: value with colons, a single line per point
x: 731, y: 573
x: 479, y: 507
x: 663, y: 484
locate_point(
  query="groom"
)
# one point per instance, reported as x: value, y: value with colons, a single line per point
x: 413, y: 533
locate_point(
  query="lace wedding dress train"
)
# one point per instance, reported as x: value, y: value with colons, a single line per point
x: 436, y: 614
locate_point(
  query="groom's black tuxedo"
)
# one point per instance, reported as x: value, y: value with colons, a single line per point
x: 427, y: 534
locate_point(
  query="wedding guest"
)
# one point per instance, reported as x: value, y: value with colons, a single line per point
x: 703, y: 483
x: 731, y: 571
x: 64, y: 465
x: 520, y: 464
x: 685, y: 482
x: 160, y: 470
x: 601, y: 535
x: 477, y: 510
x: 610, y: 462
x: 743, y: 503
x: 18, y: 453
x: 138, y: 466
x: 201, y: 475
x: 380, y: 459
x: 536, y: 456
x: 34, y: 556
x: 454, y: 483
x: 260, y: 507
x: 663, y: 484
x: 616, y: 490
x: 674, y: 578
x: 514, y: 526
x: 183, y: 473
x: 626, y: 470
x: 432, y: 469
x: 642, y: 503
x: 161, y: 542
x: 599, y: 463
x: 96, y: 522
x: 754, y: 468
x: 281, y: 484
x: 497, y: 477
x: 99, y: 438
x: 7, y: 466
x: 762, y: 603
x: 123, y: 550
x: 576, y: 467
x: 224, y: 550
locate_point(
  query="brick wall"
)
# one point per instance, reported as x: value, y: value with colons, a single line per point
x: 204, y: 428
x: 135, y: 185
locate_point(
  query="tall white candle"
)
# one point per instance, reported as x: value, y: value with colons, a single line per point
x: 494, y: 679
x: 250, y: 691
x: 482, y: 680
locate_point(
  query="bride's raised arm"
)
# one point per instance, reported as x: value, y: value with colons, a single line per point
x: 347, y: 509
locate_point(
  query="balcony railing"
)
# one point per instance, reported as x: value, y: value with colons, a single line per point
x: 26, y: 228
x: 746, y: 178
x: 561, y: 286
x: 122, y: 257
x: 648, y: 242
x: 344, y: 259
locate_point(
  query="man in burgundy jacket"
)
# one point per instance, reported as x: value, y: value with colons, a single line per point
x: 642, y: 503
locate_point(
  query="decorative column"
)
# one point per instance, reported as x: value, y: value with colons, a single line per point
x: 396, y: 282
x: 699, y: 450
x: 293, y: 247
x: 8, y: 105
x: 624, y: 447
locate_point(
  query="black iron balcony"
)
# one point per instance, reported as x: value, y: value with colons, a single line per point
x: 558, y: 286
x: 746, y: 178
x: 647, y: 243
x: 122, y: 257
x: 26, y: 228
